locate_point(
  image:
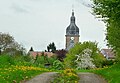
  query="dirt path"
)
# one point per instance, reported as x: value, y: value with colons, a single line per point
x: 90, y: 78
x: 84, y: 78
x: 43, y: 78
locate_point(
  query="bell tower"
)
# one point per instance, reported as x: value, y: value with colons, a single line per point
x: 72, y: 33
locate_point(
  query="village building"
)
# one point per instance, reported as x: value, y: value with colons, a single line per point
x: 35, y: 53
x: 108, y: 54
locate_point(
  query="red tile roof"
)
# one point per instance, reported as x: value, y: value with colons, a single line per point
x: 35, y: 53
x: 108, y: 53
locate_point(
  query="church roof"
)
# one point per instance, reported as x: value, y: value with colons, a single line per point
x: 72, y: 29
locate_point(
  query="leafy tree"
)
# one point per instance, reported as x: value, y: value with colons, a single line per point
x: 61, y: 54
x: 51, y: 47
x: 48, y: 48
x: 31, y: 49
x: 78, y: 49
x: 84, y: 60
x: 9, y: 45
x: 5, y: 41
x: 0, y: 51
x: 109, y: 11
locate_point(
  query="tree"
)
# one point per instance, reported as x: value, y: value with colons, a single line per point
x: 48, y: 48
x: 84, y: 60
x: 9, y: 45
x: 109, y: 11
x: 31, y: 49
x: 6, y: 41
x: 51, y: 47
x: 61, y: 54
x: 78, y: 49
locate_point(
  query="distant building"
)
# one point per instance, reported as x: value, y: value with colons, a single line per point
x: 72, y: 33
x: 35, y: 53
x: 39, y: 53
x: 108, y: 53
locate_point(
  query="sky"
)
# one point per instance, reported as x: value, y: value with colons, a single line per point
x: 36, y: 23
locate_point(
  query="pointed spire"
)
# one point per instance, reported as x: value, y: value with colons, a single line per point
x: 72, y: 10
x: 72, y: 17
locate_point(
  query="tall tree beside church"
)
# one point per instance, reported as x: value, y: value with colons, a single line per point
x: 109, y: 11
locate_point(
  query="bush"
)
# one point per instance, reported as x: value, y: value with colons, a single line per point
x: 98, y: 59
x: 58, y: 65
x: 6, y: 61
x: 108, y: 62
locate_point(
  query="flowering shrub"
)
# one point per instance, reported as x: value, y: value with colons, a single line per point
x: 84, y: 61
x: 67, y: 76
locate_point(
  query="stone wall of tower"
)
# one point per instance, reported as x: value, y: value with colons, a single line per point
x: 67, y: 41
x: 76, y: 39
x: 68, y: 38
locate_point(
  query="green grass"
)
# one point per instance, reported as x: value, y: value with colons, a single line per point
x: 16, y: 69
x: 111, y: 74
x: 82, y: 70
x: 19, y: 73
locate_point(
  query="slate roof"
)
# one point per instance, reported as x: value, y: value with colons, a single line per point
x: 72, y: 29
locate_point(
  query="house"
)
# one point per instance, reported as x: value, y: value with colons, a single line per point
x: 35, y: 53
x: 39, y: 53
x: 108, y: 53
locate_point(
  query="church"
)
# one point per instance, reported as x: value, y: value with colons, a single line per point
x: 72, y: 33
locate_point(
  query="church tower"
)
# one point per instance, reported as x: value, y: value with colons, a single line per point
x: 72, y: 33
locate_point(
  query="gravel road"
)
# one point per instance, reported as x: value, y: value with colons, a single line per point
x: 84, y: 78
x: 90, y: 78
x: 43, y: 78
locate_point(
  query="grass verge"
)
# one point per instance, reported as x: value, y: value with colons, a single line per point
x: 111, y: 74
x: 16, y: 74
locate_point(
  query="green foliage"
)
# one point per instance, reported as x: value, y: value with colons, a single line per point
x: 52, y: 59
x: 16, y: 74
x: 109, y: 62
x: 111, y: 74
x: 99, y: 60
x: 58, y: 65
x: 109, y: 11
x: 14, y: 69
x: 78, y: 49
x: 6, y: 61
x: 9, y: 46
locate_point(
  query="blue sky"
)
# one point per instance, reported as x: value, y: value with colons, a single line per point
x: 36, y: 23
